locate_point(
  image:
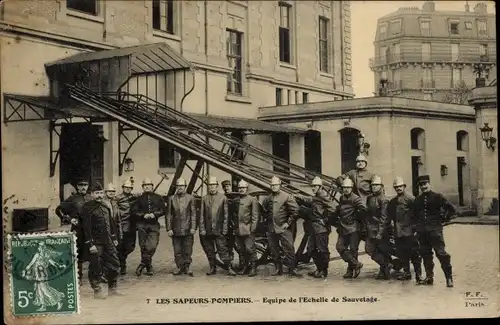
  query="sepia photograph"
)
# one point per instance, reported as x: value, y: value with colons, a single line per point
x: 180, y: 161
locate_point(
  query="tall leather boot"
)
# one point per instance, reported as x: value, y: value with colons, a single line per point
x: 278, y: 270
x: 96, y: 286
x: 230, y: 270
x: 113, y: 285
x: 123, y: 268
x: 449, y: 276
x: 213, y: 268
x: 253, y: 269
x: 429, y: 274
x: 357, y: 269
x: 350, y: 272
x: 244, y: 266
x: 417, y: 267
x: 149, y: 269
x: 139, y: 269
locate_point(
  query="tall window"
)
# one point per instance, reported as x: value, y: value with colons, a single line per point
x: 305, y: 98
x: 383, y: 30
x: 395, y: 27
x: 426, y: 51
x: 417, y: 136
x: 86, y: 6
x: 481, y: 28
x: 166, y: 155
x: 456, y: 77
x: 163, y: 15
x: 425, y: 28
x: 396, y: 50
x: 483, y: 49
x: 454, y: 28
x: 323, y: 44
x: 455, y: 51
x: 284, y: 33
x: 383, y: 54
x: 279, y: 95
x: 462, y: 141
x: 234, y: 61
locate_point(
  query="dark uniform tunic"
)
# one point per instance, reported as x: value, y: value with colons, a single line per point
x: 317, y: 245
x: 72, y: 206
x: 181, y: 220
x: 128, y: 226
x: 429, y: 219
x: 377, y: 244
x: 246, y: 220
x: 361, y: 179
x: 231, y: 238
x: 400, y: 213
x: 101, y: 231
x: 280, y: 208
x: 349, y: 212
x: 214, y: 227
x: 148, y: 229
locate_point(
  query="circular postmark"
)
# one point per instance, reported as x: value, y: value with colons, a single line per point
x: 40, y: 258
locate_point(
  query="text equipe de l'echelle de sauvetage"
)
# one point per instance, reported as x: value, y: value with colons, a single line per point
x: 264, y: 300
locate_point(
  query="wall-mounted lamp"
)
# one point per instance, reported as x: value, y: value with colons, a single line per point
x: 363, y: 146
x: 128, y: 165
x: 489, y: 140
x: 444, y: 170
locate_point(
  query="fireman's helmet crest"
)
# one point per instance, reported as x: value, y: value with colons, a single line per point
x: 376, y: 180
x: 242, y: 184
x: 147, y: 181
x: 347, y: 183
x: 398, y: 182
x: 275, y: 181
x: 317, y: 181
x: 212, y: 181
x: 180, y: 182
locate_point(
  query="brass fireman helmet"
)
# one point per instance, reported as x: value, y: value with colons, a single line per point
x: 127, y: 183
x: 180, y: 182
x: 213, y: 181
x: 317, y: 181
x: 275, y: 181
x: 110, y: 188
x: 242, y: 184
x: 347, y: 183
x: 147, y: 181
x: 376, y: 180
x: 361, y: 158
x: 398, y: 182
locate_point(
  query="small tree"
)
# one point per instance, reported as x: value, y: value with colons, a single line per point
x: 458, y: 95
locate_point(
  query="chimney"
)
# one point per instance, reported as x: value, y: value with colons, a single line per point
x: 467, y: 7
x: 481, y: 8
x: 429, y: 6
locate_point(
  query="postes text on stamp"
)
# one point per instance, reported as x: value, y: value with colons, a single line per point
x: 43, y: 274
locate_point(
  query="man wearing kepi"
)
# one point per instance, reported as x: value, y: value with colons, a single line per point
x: 321, y: 206
x: 128, y: 226
x: 180, y: 223
x: 281, y: 212
x: 429, y: 219
x: 214, y: 227
x: 246, y: 219
x: 377, y: 243
x: 147, y: 208
x: 349, y: 212
x: 101, y: 240
x: 71, y: 208
x: 400, y: 212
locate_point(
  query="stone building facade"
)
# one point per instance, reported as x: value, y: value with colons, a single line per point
x: 239, y: 64
x: 431, y: 54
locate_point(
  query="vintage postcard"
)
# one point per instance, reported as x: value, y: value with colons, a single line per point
x: 242, y: 161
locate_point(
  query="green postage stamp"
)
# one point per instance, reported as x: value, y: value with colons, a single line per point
x: 43, y: 274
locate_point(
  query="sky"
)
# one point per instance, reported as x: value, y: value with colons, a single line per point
x: 364, y: 16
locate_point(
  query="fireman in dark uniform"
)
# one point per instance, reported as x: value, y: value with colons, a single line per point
x: 110, y: 201
x: 349, y: 212
x: 180, y: 223
x: 231, y: 210
x: 146, y: 210
x: 128, y: 226
x: 71, y: 209
x: 429, y: 219
x: 246, y: 219
x: 321, y: 206
x: 101, y: 240
x: 377, y: 244
x: 213, y: 227
x: 280, y: 213
x: 361, y: 178
x: 400, y: 212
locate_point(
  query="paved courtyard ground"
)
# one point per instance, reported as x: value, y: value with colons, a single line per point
x: 475, y: 258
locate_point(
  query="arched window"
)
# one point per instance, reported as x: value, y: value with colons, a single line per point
x: 417, y: 138
x: 462, y: 140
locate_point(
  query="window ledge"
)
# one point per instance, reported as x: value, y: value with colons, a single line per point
x: 167, y: 170
x: 82, y: 15
x: 163, y: 34
x: 326, y: 74
x: 238, y: 99
x: 288, y: 66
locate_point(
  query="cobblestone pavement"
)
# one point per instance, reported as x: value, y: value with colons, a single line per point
x: 475, y: 258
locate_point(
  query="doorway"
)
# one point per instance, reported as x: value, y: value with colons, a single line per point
x: 81, y: 151
x: 415, y: 166
x: 281, y: 149
x: 460, y: 178
x: 349, y: 148
x: 312, y: 151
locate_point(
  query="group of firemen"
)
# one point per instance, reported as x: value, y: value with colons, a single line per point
x: 106, y: 227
